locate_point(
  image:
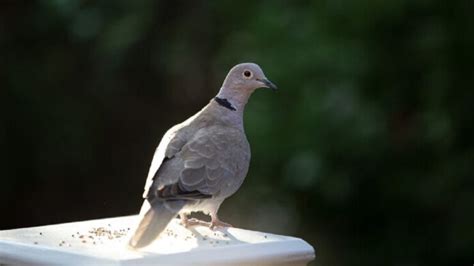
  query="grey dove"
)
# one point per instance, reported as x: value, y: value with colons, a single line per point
x: 202, y: 161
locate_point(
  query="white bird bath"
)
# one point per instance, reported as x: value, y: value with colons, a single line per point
x: 104, y: 242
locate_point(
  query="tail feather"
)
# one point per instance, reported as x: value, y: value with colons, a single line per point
x: 154, y: 219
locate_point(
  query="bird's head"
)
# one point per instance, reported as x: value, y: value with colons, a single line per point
x: 247, y: 77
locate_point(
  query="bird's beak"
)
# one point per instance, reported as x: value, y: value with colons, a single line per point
x: 268, y: 84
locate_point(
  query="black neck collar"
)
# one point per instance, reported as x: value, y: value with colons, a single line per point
x: 224, y: 102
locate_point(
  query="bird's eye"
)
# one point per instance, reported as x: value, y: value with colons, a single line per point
x: 247, y: 74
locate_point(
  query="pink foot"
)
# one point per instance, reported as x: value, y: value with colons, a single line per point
x: 192, y: 222
x: 218, y: 223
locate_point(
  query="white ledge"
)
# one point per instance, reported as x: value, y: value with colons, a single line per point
x: 104, y: 242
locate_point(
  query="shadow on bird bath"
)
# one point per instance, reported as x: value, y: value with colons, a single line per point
x: 192, y: 237
x: 178, y: 238
x: 217, y: 237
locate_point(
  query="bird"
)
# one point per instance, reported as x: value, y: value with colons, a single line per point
x: 201, y: 161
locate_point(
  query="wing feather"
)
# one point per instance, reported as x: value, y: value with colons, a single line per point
x: 214, y: 161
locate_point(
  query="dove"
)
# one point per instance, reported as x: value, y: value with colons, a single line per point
x: 202, y: 161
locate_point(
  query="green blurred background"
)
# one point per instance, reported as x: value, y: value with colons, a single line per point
x: 366, y: 151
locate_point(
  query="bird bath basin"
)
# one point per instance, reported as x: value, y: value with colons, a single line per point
x: 104, y: 241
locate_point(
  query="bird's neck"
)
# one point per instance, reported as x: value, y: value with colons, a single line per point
x: 231, y: 99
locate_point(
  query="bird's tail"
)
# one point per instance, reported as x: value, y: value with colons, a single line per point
x: 154, y: 218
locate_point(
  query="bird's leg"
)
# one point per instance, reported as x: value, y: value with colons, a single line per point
x: 186, y: 222
x: 215, y: 222
x: 184, y: 219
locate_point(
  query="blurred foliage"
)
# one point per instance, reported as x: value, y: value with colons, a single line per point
x: 366, y: 151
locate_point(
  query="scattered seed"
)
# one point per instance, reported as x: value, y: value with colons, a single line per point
x: 41, y: 233
x: 265, y: 236
x: 83, y: 241
x: 36, y: 243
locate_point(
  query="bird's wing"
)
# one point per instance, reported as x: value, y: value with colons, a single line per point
x: 212, y: 163
x: 170, y: 144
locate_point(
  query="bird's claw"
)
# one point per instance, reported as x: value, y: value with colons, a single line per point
x: 218, y: 223
x: 214, y: 224
x: 193, y: 222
